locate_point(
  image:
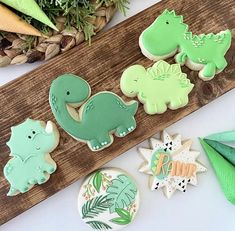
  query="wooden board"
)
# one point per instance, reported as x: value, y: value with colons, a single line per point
x: 101, y: 64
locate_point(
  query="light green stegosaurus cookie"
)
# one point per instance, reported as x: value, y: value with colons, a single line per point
x: 158, y: 87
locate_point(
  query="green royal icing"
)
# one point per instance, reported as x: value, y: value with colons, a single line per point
x: 227, y: 136
x: 154, y: 161
x: 30, y: 144
x: 157, y: 87
x: 168, y: 34
x: 101, y: 115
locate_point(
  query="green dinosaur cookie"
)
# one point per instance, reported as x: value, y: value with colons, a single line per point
x: 99, y: 117
x: 158, y: 87
x: 168, y: 34
x: 30, y: 145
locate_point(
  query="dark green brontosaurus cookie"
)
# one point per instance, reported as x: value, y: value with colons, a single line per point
x: 99, y: 117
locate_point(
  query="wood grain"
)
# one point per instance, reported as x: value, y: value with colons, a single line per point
x: 101, y: 64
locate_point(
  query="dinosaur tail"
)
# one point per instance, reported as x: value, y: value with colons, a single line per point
x: 133, y: 107
x: 227, y: 37
x: 12, y: 192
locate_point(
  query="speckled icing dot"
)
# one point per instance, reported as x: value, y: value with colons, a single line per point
x: 108, y: 199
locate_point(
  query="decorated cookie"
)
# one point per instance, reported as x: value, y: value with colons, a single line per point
x: 168, y: 35
x: 108, y: 199
x: 158, y: 87
x: 30, y: 143
x: 99, y: 117
x: 224, y: 170
x: 227, y: 136
x: 171, y: 164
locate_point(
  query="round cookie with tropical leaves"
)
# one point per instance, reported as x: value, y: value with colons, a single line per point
x: 108, y: 199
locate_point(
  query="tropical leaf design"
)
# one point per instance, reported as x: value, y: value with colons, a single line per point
x: 121, y: 192
x: 124, y: 217
x: 97, y: 181
x: 95, y: 206
x: 98, y: 225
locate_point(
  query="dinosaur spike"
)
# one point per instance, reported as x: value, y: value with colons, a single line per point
x: 228, y: 136
x: 226, y: 151
x: 224, y: 171
x: 166, y: 11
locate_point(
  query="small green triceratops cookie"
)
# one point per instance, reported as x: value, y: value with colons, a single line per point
x: 30, y: 145
x: 158, y: 87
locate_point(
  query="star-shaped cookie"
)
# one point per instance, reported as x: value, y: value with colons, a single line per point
x: 170, y: 163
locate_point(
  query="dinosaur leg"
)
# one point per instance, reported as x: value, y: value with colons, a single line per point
x: 24, y: 188
x: 150, y: 108
x: 221, y: 64
x: 127, y: 127
x: 41, y: 177
x: 161, y: 108
x: 155, y: 108
x: 94, y: 144
x: 208, y: 71
x: 181, y: 58
x: 104, y: 139
x: 46, y: 167
x: 177, y: 103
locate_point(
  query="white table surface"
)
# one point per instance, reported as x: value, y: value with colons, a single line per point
x: 201, y: 208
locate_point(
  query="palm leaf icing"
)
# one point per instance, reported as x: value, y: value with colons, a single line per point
x: 12, y: 23
x: 158, y: 87
x: 124, y: 217
x: 98, y: 225
x: 168, y: 34
x: 121, y: 192
x: 95, y: 206
x: 97, y: 181
x: 31, y: 8
x: 224, y: 171
x: 226, y: 151
x: 227, y: 136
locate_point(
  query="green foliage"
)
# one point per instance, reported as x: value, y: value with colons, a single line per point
x: 124, y: 217
x: 98, y: 225
x: 95, y: 206
x: 97, y: 181
x: 121, y: 192
x: 77, y: 13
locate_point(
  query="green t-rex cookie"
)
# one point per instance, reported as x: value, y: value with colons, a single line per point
x: 30, y: 145
x: 158, y: 87
x: 99, y: 117
x: 168, y: 34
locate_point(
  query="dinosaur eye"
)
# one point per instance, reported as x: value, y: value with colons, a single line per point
x: 29, y: 137
x: 68, y: 93
x: 33, y: 132
x: 167, y: 22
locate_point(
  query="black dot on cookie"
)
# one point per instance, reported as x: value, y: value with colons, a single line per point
x: 170, y: 148
x: 183, y: 186
x: 182, y: 181
x: 188, y: 180
x: 179, y: 184
x: 184, y: 191
x: 165, y: 149
x: 166, y: 144
x: 171, y: 143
